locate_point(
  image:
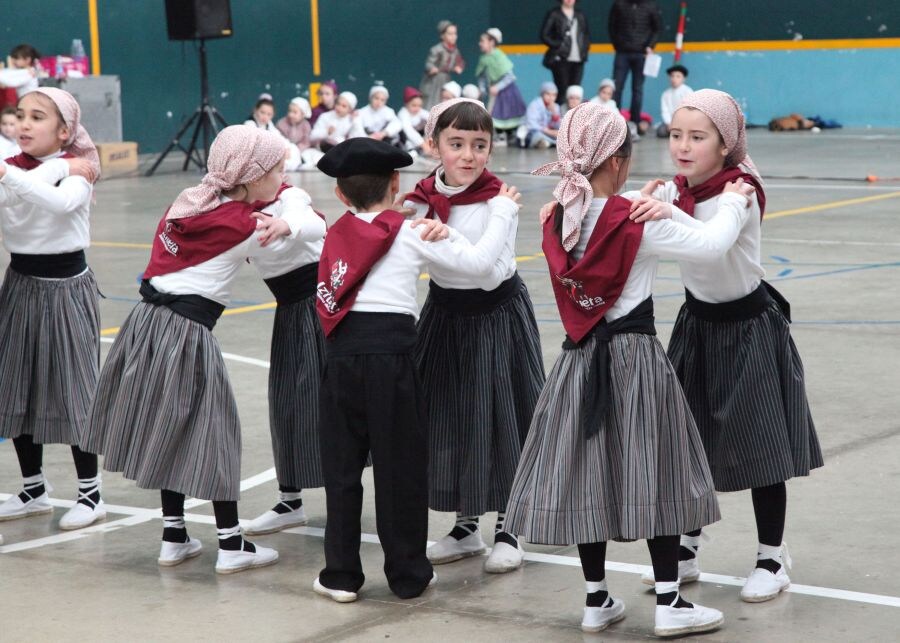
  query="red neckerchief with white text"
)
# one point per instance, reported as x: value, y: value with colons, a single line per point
x: 352, y: 247
x: 586, y: 289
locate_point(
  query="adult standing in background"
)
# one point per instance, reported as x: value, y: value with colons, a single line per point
x: 634, y: 27
x: 565, y: 32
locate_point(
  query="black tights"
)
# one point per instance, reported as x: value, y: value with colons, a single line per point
x: 226, y: 512
x: 663, y: 553
x: 31, y: 458
x: 770, y: 511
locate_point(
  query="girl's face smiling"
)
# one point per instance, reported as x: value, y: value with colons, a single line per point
x: 695, y: 146
x: 41, y: 132
x: 264, y: 114
x: 463, y: 154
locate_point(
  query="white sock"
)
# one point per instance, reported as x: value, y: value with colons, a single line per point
x: 766, y: 552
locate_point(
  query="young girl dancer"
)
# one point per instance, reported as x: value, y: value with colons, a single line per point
x: 49, y: 304
x: 479, y: 352
x: 613, y: 453
x: 731, y: 345
x: 164, y: 413
x: 443, y: 59
x: 297, y: 359
x: 498, y: 84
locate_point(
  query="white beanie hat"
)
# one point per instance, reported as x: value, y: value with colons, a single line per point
x: 496, y: 34
x: 454, y: 88
x: 379, y: 88
x: 350, y: 97
x: 304, y: 106
x: 471, y: 91
x: 575, y: 90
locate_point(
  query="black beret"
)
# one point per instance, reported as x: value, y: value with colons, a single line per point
x: 680, y: 68
x: 362, y: 155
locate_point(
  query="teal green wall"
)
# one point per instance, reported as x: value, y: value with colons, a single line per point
x: 367, y: 40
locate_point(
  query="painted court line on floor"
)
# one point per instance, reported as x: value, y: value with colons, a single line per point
x: 138, y: 515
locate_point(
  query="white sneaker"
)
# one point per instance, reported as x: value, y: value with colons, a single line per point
x: 688, y: 572
x: 504, y: 558
x: 171, y: 554
x: 762, y: 585
x: 449, y: 549
x: 597, y: 619
x: 675, y: 621
x: 14, y: 508
x: 339, y: 595
x: 231, y: 562
x: 272, y: 521
x: 81, y: 515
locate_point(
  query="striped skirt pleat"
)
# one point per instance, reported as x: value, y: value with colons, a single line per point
x: 164, y: 414
x: 644, y: 475
x: 297, y: 361
x: 49, y: 356
x: 482, y: 375
x: 745, y: 385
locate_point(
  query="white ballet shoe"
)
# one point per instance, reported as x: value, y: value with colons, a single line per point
x: 762, y: 585
x: 676, y: 621
x: 448, y: 549
x: 171, y: 554
x: 504, y: 558
x: 233, y: 561
x: 339, y: 595
x: 14, y: 508
x: 688, y: 572
x: 597, y: 619
x: 271, y: 521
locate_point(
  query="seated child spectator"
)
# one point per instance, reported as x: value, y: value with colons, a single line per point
x: 379, y: 121
x: 337, y: 125
x: 23, y: 74
x: 542, y: 118
x: 574, y: 97
x: 471, y: 91
x: 327, y: 94
x: 450, y: 90
x: 605, y: 94
x: 9, y: 146
x: 294, y: 126
x: 413, y: 118
x: 672, y: 97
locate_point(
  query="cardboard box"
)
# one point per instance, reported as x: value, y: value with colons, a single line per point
x: 117, y: 158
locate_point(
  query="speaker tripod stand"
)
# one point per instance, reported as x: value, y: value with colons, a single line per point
x: 206, y: 121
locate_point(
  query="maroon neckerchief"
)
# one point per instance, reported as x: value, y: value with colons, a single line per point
x: 351, y: 248
x: 689, y: 196
x: 28, y: 162
x: 586, y: 289
x: 485, y: 187
x: 189, y: 241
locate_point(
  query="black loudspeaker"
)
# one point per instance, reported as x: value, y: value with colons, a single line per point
x: 196, y: 19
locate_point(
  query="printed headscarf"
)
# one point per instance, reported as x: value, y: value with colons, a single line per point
x: 79, y: 143
x: 588, y: 135
x: 435, y: 112
x: 726, y: 115
x: 240, y: 154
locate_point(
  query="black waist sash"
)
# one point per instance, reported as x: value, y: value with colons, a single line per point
x: 294, y: 286
x: 194, y: 307
x: 365, y: 333
x: 59, y: 266
x: 598, y: 388
x: 748, y: 307
x: 474, y: 301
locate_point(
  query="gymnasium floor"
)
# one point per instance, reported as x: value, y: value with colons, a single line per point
x: 831, y: 246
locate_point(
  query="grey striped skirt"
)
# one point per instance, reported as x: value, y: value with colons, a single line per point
x: 49, y: 356
x: 482, y: 375
x: 164, y: 414
x: 297, y: 360
x: 745, y: 386
x: 644, y: 475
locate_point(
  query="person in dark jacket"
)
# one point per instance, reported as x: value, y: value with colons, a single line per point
x: 634, y: 27
x: 565, y: 32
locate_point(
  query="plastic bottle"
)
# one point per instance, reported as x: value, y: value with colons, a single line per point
x: 77, y: 50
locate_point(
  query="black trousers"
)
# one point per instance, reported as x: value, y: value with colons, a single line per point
x: 634, y: 63
x: 373, y: 402
x: 566, y: 74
